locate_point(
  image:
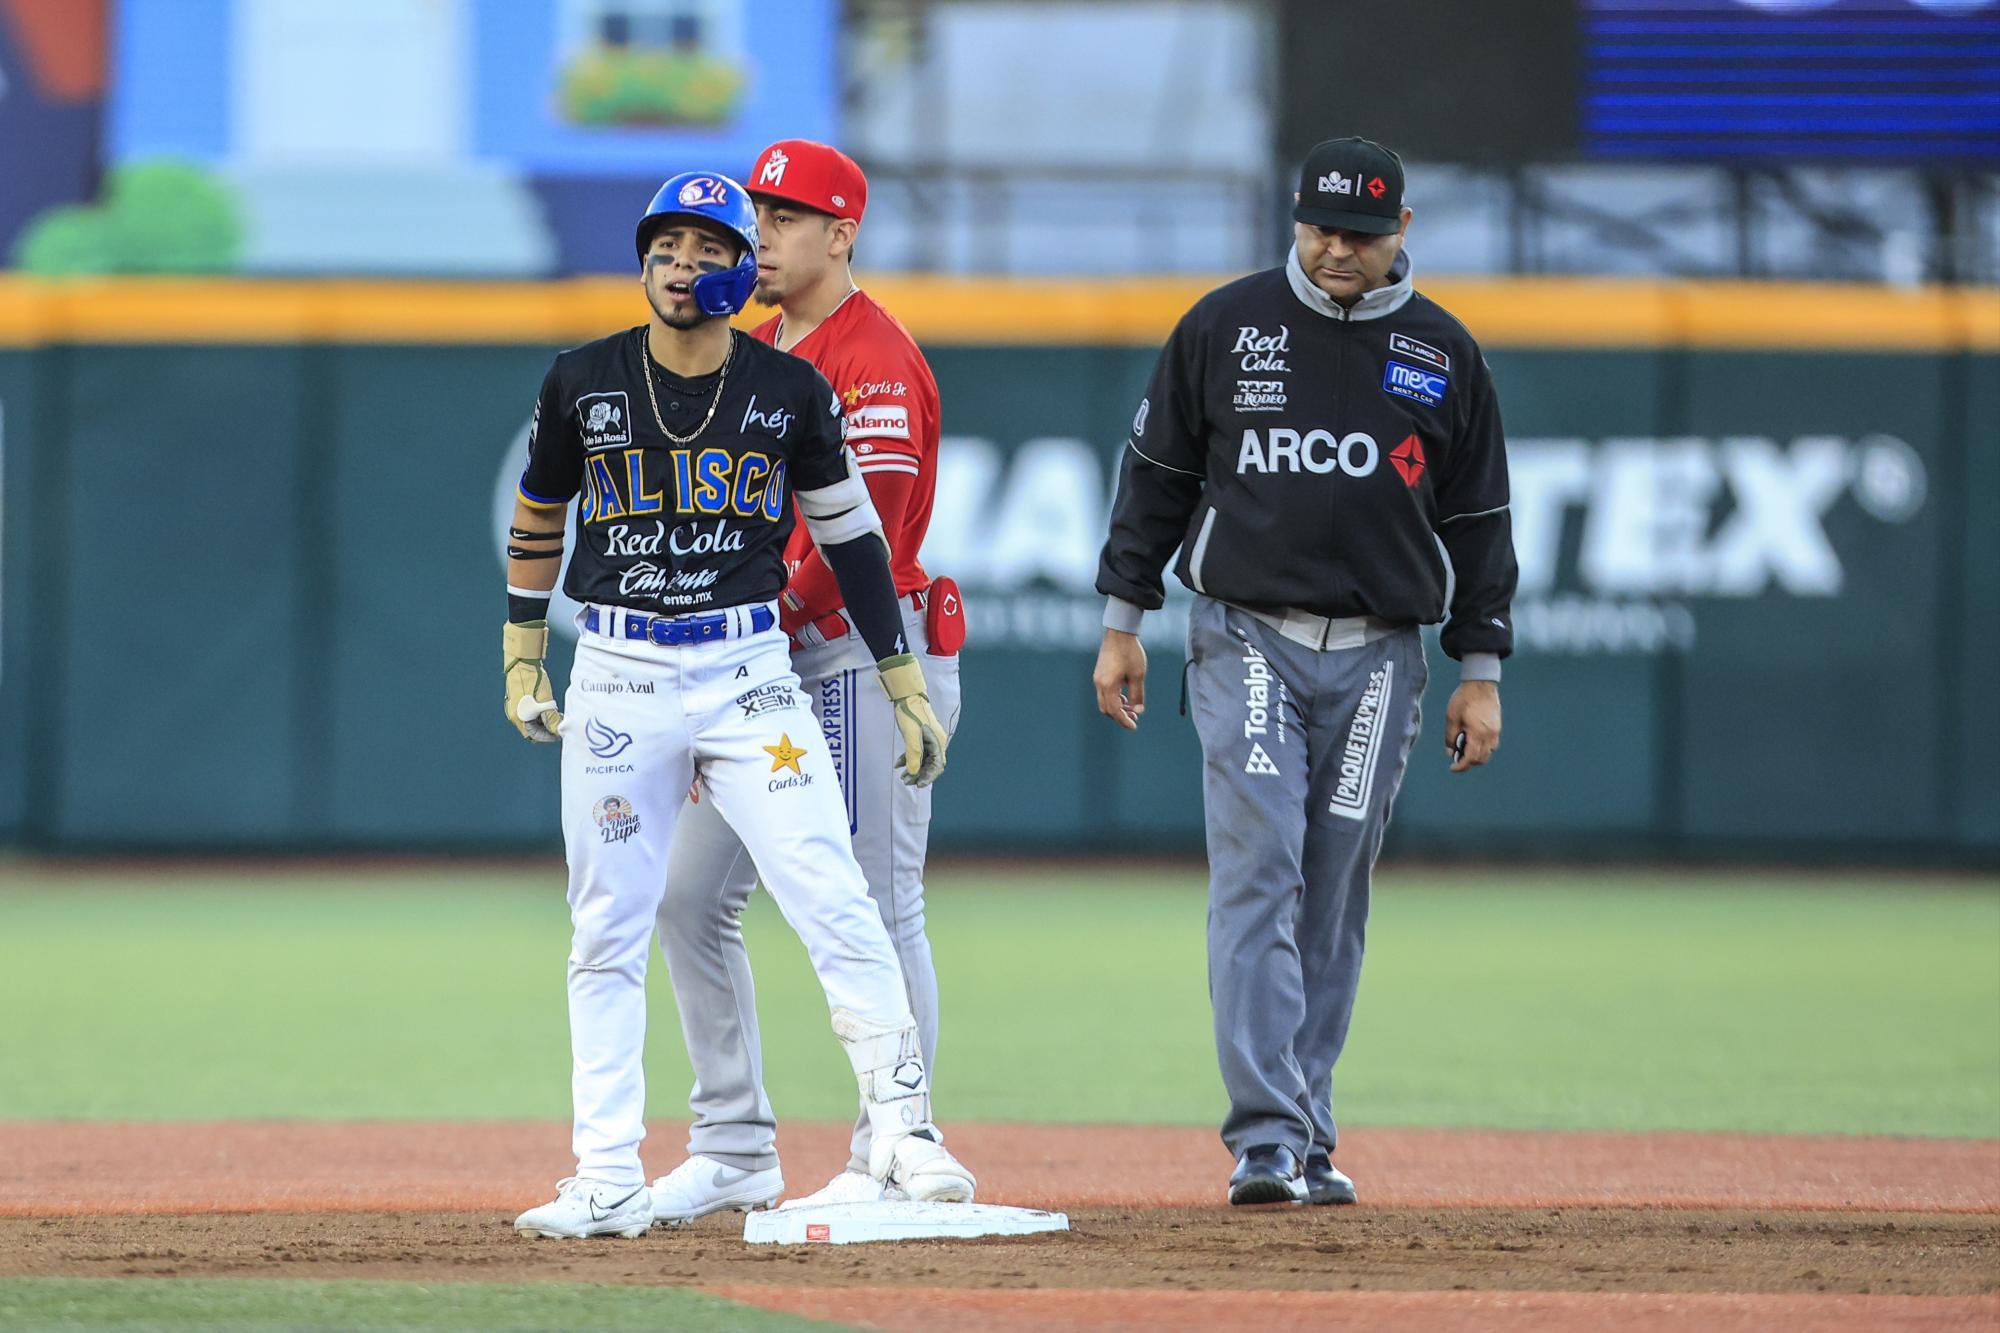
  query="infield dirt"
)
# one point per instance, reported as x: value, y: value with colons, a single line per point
x: 1456, y: 1230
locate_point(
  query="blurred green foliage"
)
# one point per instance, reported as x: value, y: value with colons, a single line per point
x: 156, y: 217
x: 650, y: 86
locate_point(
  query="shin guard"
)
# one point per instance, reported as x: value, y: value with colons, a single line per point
x: 890, y: 1069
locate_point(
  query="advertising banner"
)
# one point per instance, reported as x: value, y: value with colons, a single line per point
x: 1758, y: 604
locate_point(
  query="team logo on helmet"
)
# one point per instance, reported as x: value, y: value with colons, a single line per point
x: 720, y: 200
x: 704, y: 190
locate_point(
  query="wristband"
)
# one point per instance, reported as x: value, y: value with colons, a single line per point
x: 523, y: 607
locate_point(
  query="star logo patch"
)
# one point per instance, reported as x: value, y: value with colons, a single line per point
x: 784, y: 754
x: 1409, y: 460
x: 853, y: 395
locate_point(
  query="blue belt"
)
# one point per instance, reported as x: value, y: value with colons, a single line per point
x: 677, y: 630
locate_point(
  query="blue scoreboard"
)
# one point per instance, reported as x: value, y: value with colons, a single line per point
x: 1890, y: 81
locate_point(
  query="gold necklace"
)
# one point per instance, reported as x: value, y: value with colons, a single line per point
x: 721, y: 378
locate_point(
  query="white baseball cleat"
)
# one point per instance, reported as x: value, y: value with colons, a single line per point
x: 590, y: 1208
x: 922, y: 1167
x: 701, y: 1185
x: 848, y: 1187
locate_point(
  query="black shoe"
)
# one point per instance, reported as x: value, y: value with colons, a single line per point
x: 1324, y: 1181
x: 1267, y: 1173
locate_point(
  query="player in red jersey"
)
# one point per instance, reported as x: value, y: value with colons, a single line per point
x: 810, y: 200
x: 809, y: 204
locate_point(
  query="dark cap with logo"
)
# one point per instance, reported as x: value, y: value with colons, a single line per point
x: 1353, y: 184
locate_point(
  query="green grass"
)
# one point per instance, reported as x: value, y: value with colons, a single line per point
x: 225, y: 1303
x: 1533, y: 1000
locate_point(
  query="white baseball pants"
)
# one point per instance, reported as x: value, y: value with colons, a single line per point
x: 640, y: 721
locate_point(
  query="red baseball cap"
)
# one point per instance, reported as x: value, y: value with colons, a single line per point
x: 816, y: 175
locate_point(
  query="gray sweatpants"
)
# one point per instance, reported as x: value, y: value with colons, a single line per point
x: 1302, y: 752
x: 710, y: 878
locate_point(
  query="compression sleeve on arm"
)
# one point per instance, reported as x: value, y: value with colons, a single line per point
x: 811, y: 591
x: 861, y: 568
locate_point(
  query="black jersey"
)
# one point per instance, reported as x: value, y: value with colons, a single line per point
x: 668, y: 526
x: 1302, y: 455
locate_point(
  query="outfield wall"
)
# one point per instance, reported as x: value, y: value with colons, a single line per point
x: 250, y: 567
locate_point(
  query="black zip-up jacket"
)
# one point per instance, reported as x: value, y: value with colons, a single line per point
x: 1309, y: 457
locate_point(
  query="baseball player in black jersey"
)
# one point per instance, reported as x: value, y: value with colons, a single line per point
x: 684, y: 444
x: 1323, y: 444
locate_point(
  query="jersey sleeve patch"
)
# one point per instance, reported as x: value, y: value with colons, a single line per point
x: 883, y: 461
x: 878, y: 421
x: 884, y: 451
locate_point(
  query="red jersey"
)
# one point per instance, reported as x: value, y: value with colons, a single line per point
x: 889, y: 406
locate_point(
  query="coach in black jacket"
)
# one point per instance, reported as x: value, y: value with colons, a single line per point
x: 1323, y: 444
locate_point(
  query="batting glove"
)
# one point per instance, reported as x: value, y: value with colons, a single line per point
x: 924, y: 737
x: 531, y: 707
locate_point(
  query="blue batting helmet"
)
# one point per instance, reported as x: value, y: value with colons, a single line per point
x: 716, y: 199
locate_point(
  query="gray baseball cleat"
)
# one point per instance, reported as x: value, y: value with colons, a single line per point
x: 701, y: 1185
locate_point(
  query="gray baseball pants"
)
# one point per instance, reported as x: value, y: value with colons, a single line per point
x: 710, y: 878
x: 1303, y: 749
